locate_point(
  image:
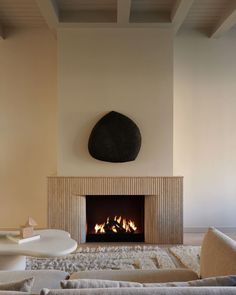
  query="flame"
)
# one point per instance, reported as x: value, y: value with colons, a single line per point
x: 132, y: 225
x: 121, y: 224
x: 99, y: 228
x: 114, y: 229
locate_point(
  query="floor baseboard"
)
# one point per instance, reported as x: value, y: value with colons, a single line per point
x: 204, y: 229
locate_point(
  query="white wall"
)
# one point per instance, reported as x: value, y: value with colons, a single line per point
x: 28, y: 124
x: 130, y: 71
x: 204, y: 128
x: 125, y: 70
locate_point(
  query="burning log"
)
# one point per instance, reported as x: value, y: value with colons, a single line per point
x: 131, y: 230
x: 116, y: 225
x: 113, y: 226
x: 108, y: 228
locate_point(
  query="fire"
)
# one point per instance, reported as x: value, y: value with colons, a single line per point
x: 116, y: 225
x: 99, y: 228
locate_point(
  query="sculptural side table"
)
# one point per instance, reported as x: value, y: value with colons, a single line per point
x: 52, y: 243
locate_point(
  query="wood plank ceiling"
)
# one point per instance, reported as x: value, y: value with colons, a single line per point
x: 15, y: 13
x: 212, y: 17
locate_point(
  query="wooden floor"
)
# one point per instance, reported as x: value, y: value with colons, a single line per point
x: 195, y: 239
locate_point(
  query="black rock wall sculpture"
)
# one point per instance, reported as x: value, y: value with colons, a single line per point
x: 115, y: 138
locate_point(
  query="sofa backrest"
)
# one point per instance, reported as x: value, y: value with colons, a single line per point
x: 146, y: 291
x: 42, y: 278
x: 139, y: 275
x: 218, y: 255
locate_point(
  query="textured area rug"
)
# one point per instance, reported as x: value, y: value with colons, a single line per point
x: 120, y: 257
x: 189, y: 256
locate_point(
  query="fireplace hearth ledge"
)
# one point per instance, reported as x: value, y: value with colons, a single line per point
x: 163, y: 219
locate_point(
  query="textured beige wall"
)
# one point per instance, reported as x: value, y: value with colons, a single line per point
x: 28, y: 124
x: 124, y: 70
x: 204, y: 127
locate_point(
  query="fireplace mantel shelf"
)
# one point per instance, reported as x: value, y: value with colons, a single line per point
x: 163, y: 203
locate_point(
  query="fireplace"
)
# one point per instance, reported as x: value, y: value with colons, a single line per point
x: 163, y: 205
x: 115, y: 218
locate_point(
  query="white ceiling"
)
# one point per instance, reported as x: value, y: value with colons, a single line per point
x: 214, y: 17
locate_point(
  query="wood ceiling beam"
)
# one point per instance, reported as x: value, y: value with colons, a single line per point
x: 179, y: 13
x: 113, y: 25
x: 225, y: 23
x: 1, y: 33
x: 50, y: 12
x: 123, y: 11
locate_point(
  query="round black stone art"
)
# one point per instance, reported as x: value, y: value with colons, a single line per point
x: 115, y: 138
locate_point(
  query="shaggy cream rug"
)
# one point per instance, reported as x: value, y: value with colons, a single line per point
x: 189, y: 256
x: 114, y: 257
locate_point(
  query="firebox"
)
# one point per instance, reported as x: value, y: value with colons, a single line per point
x: 115, y: 218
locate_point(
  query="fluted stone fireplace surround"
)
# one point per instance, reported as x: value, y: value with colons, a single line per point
x: 163, y: 212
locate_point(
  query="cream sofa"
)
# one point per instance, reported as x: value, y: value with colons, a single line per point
x: 149, y: 291
x: 218, y: 258
x: 137, y: 291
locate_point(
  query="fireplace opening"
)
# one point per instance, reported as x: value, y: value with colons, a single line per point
x: 115, y: 218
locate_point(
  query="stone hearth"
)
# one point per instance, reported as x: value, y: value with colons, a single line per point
x: 163, y: 212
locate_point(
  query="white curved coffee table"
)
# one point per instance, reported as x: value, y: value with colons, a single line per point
x: 52, y: 243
